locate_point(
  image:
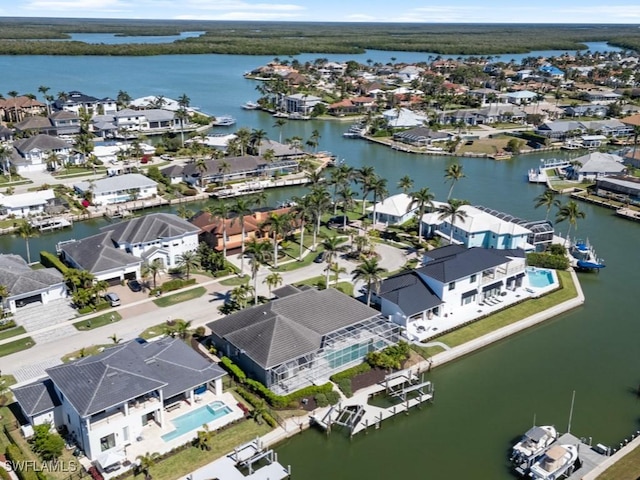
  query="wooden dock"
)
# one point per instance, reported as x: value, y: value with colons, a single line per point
x: 628, y: 213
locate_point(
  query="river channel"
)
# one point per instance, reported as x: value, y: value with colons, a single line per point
x: 484, y: 401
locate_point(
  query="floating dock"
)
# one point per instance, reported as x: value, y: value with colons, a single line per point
x: 357, y: 415
x: 51, y: 224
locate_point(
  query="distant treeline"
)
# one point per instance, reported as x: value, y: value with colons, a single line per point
x: 261, y: 38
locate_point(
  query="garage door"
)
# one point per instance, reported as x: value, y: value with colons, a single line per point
x: 130, y: 276
x: 113, y: 281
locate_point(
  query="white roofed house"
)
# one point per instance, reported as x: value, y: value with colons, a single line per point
x: 394, y: 210
x: 26, y: 204
x: 403, y: 118
x: 118, y: 189
x: 596, y: 165
x: 145, y: 120
x: 301, y: 103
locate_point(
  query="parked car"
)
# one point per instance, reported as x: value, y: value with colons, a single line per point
x: 338, y: 221
x: 134, y: 285
x: 319, y: 258
x: 113, y: 299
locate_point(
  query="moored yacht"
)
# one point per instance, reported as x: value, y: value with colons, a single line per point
x: 559, y: 460
x: 532, y: 444
x: 250, y: 106
x: 224, y: 121
x: 583, y: 256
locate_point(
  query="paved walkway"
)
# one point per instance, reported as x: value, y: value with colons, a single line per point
x: 616, y: 457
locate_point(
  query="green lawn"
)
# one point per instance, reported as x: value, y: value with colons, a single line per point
x: 16, y: 346
x: 512, y: 314
x: 6, y: 381
x: 193, y: 458
x: 625, y: 469
x: 294, y: 264
x: 153, y: 331
x: 168, y: 300
x: 427, y: 352
x: 99, y: 321
x: 235, y: 281
x: 86, y: 352
x: 12, y: 332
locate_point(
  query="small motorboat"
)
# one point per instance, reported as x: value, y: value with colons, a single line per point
x: 556, y: 462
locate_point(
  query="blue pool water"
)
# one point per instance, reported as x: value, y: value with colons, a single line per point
x: 540, y: 278
x: 196, y: 418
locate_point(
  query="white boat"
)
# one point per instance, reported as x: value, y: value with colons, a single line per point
x: 224, y: 121
x: 539, y: 175
x: 281, y: 115
x: 355, y: 131
x: 251, y: 106
x: 299, y: 116
x: 532, y: 444
x: 583, y: 256
x: 559, y: 460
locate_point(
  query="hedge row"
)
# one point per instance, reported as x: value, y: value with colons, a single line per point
x: 251, y: 400
x: 7, y: 325
x: 16, y: 456
x: 49, y: 260
x: 277, y: 401
x: 176, y: 284
x: 349, y: 373
x: 547, y: 260
x: 94, y: 308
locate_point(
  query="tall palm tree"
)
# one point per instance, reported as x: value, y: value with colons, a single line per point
x: 257, y: 136
x: 340, y: 177
x: 547, y: 199
x: 364, y: 177
x: 201, y: 167
x: 279, y: 225
x: 346, y: 196
x: 380, y: 192
x: 273, y: 280
x: 259, y: 253
x: 43, y: 90
x: 146, y: 461
x: 5, y: 156
x: 331, y: 248
x: 371, y: 273
x: 572, y: 213
x: 405, y: 184
x: 301, y: 213
x: 240, y: 294
x: 319, y: 203
x: 421, y: 199
x: 453, y: 174
x: 453, y: 211
x: 241, y: 208
x: 188, y: 261
x: 4, y: 293
x: 336, y: 269
x: 224, y: 167
x: 244, y: 137
x: 280, y: 122
x: 26, y: 231
x: 221, y: 211
x: 154, y: 268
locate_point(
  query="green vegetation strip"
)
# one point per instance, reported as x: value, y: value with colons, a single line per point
x: 12, y: 332
x: 427, y: 352
x: 626, y: 468
x: 86, y: 352
x: 294, y: 264
x: 99, y: 321
x: 153, y: 331
x: 512, y: 314
x: 235, y: 281
x: 16, y: 346
x: 169, y: 300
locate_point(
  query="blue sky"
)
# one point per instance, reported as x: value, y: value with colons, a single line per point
x: 464, y: 11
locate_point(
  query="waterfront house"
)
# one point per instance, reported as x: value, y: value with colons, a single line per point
x: 174, y: 173
x: 302, y: 338
x: 237, y: 168
x: 394, y: 210
x: 622, y: 188
x: 421, y: 136
x: 77, y: 102
x: 20, y: 205
x: 65, y: 122
x: 15, y: 109
x: 115, y: 403
x: 301, y: 103
x: 522, y: 97
x: 403, y: 118
x: 32, y: 154
x: 27, y: 286
x: 596, y: 165
x: 148, y: 121
x: 118, y: 189
x: 551, y: 71
x: 35, y: 124
x: 483, y: 227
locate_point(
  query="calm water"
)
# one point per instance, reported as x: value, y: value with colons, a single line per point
x: 484, y: 401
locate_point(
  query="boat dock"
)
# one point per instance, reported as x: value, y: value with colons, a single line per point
x: 588, y: 457
x: 357, y: 414
x: 251, y: 461
x: 539, y: 175
x: 51, y: 224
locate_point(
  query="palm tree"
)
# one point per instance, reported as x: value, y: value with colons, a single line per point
x: 241, y: 208
x: 361, y: 242
x: 319, y: 203
x: 146, y: 461
x: 244, y: 137
x: 5, y: 156
x: 43, y: 90
x: 201, y: 167
x: 184, y: 212
x: 257, y: 136
x: 4, y: 293
x: 340, y: 177
x: 273, y: 280
x: 346, y: 195
x: 365, y: 176
x: 300, y: 213
x: 26, y: 231
x: 452, y: 174
x: 181, y: 328
x: 405, y: 184
x: 259, y: 253
x: 240, y: 294
x: 224, y: 168
x: 453, y: 211
x: 336, y: 269
x: 203, y: 442
x: 421, y: 199
x: 153, y: 269
x: 280, y: 122
x: 379, y: 188
x: 221, y: 211
x: 572, y: 213
x: 188, y: 261
x: 331, y: 248
x: 547, y: 199
x: 371, y: 273
x: 279, y: 224
x: 115, y: 339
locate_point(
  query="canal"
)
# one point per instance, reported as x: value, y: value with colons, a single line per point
x: 484, y: 401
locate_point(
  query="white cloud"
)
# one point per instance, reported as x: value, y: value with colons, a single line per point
x: 235, y: 6
x: 75, y: 5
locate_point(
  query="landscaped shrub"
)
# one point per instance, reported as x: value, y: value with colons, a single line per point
x: 351, y: 372
x: 189, y: 192
x: 176, y: 284
x: 199, y: 331
x: 333, y: 397
x: 345, y: 387
x: 321, y: 400
x: 49, y: 260
x: 548, y: 260
x: 91, y: 308
x: 233, y: 369
x: 557, y: 249
x: 391, y: 357
x: 7, y: 325
x: 46, y: 443
x: 16, y: 456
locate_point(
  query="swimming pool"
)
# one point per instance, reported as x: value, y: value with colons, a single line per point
x: 540, y: 277
x: 196, y: 418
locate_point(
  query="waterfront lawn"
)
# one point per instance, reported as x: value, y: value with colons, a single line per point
x: 97, y: 322
x: 512, y: 314
x: 626, y: 468
x: 167, y: 301
x: 16, y: 346
x: 192, y: 458
x: 153, y: 331
x: 427, y: 352
x: 487, y: 146
x: 12, y: 332
x: 235, y: 281
x: 85, y: 352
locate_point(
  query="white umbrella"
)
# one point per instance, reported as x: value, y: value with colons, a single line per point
x: 110, y: 458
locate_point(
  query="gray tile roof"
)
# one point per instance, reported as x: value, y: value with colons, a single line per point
x: 292, y: 326
x: 20, y: 279
x: 285, y: 291
x: 118, y: 183
x: 40, y: 142
x: 172, y: 171
x: 236, y: 164
x: 451, y: 268
x: 150, y: 227
x: 98, y: 254
x: 409, y: 292
x: 37, y: 397
x: 127, y: 371
x: 35, y: 122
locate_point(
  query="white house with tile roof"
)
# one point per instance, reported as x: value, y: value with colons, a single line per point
x: 118, y: 189
x: 394, y: 210
x: 26, y: 204
x: 31, y: 154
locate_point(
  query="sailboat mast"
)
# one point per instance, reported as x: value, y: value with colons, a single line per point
x: 573, y: 398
